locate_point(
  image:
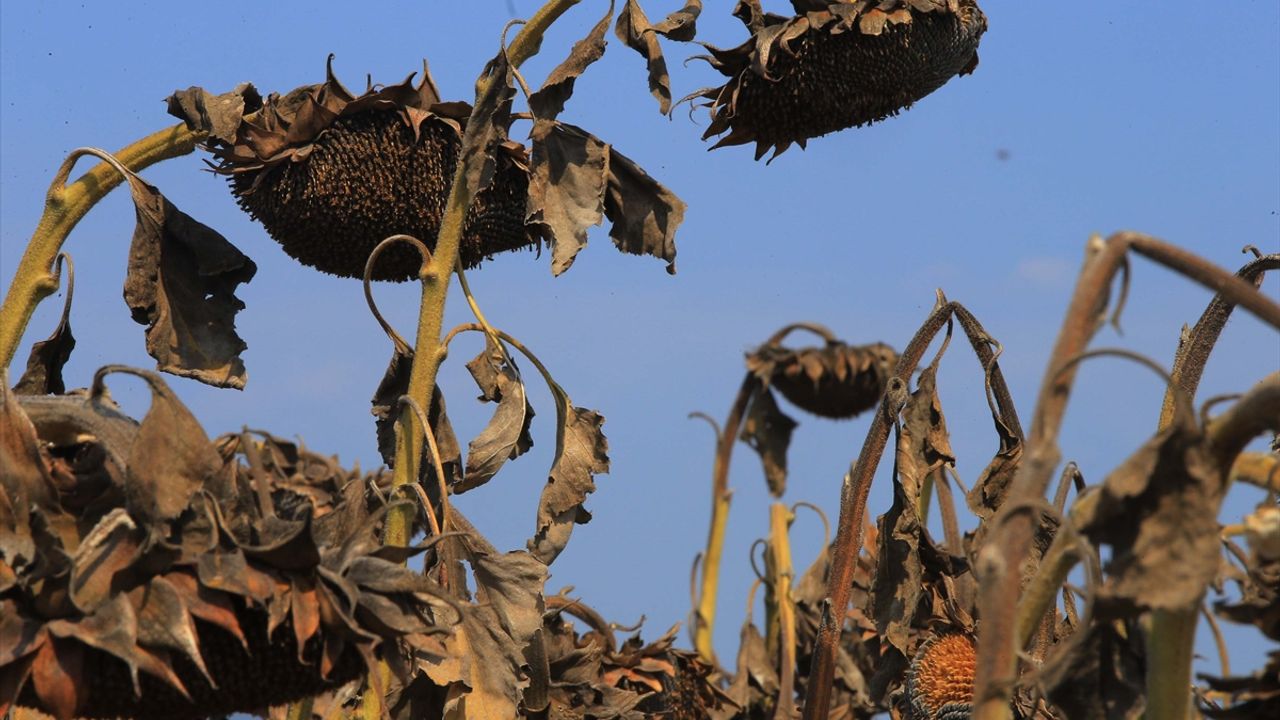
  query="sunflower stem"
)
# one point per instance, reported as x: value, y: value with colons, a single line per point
x: 64, y: 206
x: 705, y: 615
x: 435, y: 276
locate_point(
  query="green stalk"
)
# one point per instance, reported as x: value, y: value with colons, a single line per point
x: 435, y: 274
x: 64, y: 206
x: 782, y: 609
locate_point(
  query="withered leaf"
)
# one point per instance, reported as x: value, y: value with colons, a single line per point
x: 768, y: 431
x: 644, y: 214
x: 24, y: 477
x: 1158, y: 512
x: 171, y: 457
x: 494, y: 633
x: 635, y: 30
x: 113, y: 628
x: 110, y: 548
x: 181, y: 284
x: 568, y: 176
x: 218, y: 115
x: 487, y: 126
x: 58, y: 677
x: 43, y: 375
x: 922, y: 447
x: 1098, y: 674
x: 549, y: 100
x: 164, y: 621
x: 394, y: 384
x: 506, y: 437
x: 581, y: 452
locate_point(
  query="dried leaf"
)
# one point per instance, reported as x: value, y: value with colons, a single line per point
x: 181, y: 285
x: 108, y: 551
x: 43, y: 375
x: 644, y: 214
x: 635, y: 30
x: 1098, y: 674
x: 568, y: 178
x: 768, y: 431
x: 487, y: 126
x: 171, y: 457
x: 24, y: 477
x: 506, y: 437
x: 1158, y: 512
x: 581, y: 452
x: 549, y: 100
x: 217, y: 115
x: 58, y: 677
x: 164, y: 621
x: 394, y: 384
x: 494, y: 633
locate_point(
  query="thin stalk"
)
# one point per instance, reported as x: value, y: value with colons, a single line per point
x: 434, y: 276
x: 784, y: 610
x: 705, y: 615
x: 64, y: 206
x: 853, y: 507
x: 1001, y: 561
x: 1258, y: 469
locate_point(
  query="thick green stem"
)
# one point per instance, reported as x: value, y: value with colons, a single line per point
x: 435, y: 275
x: 64, y: 206
x: 705, y: 618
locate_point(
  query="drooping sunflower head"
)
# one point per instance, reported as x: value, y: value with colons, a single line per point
x: 330, y: 175
x: 836, y: 64
x: 834, y: 381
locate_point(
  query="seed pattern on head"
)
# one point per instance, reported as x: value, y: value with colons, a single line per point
x: 330, y: 175
x: 940, y: 680
x: 848, y: 65
x: 366, y: 178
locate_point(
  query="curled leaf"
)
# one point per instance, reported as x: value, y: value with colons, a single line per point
x: 181, y: 284
x: 640, y: 35
x: 768, y: 431
x: 171, y: 457
x: 43, y: 375
x: 581, y: 452
x: 506, y: 437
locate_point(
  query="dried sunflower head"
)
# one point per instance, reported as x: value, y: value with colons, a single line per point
x: 940, y: 680
x: 836, y: 64
x: 330, y: 174
x: 835, y: 381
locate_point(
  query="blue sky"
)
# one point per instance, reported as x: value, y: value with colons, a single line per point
x: 1162, y: 117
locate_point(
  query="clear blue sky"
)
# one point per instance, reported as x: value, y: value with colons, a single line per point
x: 1162, y: 117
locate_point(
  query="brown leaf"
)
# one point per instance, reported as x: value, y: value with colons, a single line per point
x: 494, y: 633
x: 181, y: 285
x: 568, y: 176
x: 581, y: 452
x: 1098, y: 674
x: 1158, y: 512
x: 487, y: 126
x: 549, y: 100
x: 208, y: 604
x: 506, y: 437
x: 164, y: 621
x: 58, y: 677
x: 635, y: 30
x: 768, y: 431
x: 171, y: 457
x: 644, y: 214
x: 43, y: 375
x: 394, y: 384
x: 105, y: 554
x: 218, y: 115
x: 24, y: 477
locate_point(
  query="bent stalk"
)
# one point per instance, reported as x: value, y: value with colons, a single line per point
x: 64, y: 206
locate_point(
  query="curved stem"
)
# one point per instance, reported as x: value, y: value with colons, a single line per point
x: 704, y: 618
x: 428, y: 350
x: 1001, y: 560
x: 64, y: 206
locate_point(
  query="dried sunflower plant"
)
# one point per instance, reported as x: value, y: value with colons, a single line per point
x: 148, y: 570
